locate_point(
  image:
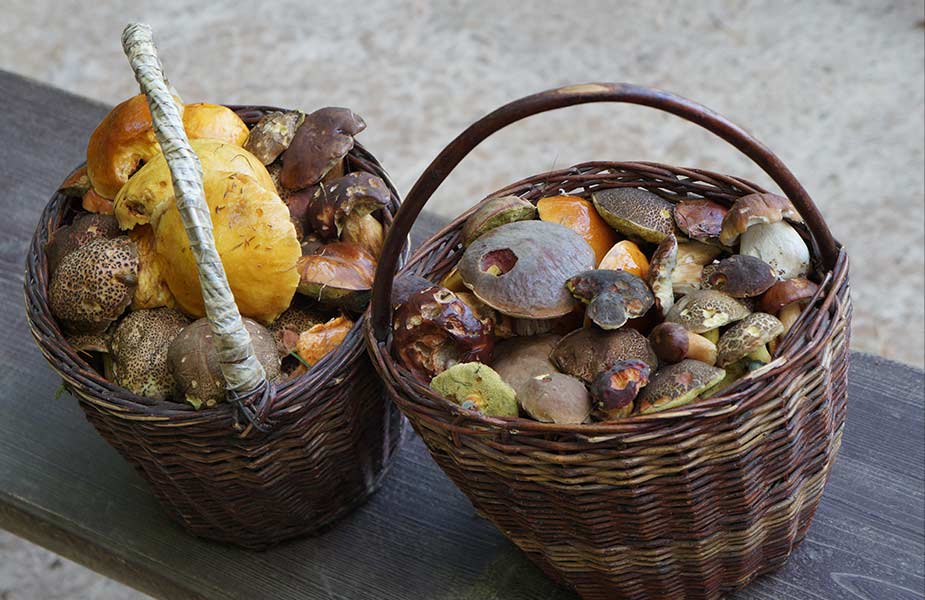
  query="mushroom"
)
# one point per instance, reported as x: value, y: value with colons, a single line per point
x: 786, y: 299
x: 579, y: 215
x: 755, y: 209
x: 700, y: 219
x: 740, y: 276
x: 703, y: 310
x: 272, y: 134
x: 559, y: 325
x: 495, y: 212
x: 85, y: 227
x: 677, y: 385
x: 692, y: 257
x: 77, y: 183
x: 139, y: 351
x: 555, y: 398
x: 626, y: 256
x: 748, y: 338
x: 502, y: 325
x: 94, y: 284
x: 356, y: 194
x: 152, y: 290
x: 194, y: 363
x: 287, y: 328
x: 664, y: 260
x: 779, y: 245
x: 615, y: 389
x: 477, y: 387
x: 337, y: 274
x: 214, y: 122
x: 322, y: 338
x: 520, y: 268
x: 636, y: 213
x: 406, y: 285
x: 673, y: 343
x: 434, y: 330
x: 612, y: 296
x: 520, y: 359
x: 587, y: 352
x: 365, y: 231
x: 318, y: 146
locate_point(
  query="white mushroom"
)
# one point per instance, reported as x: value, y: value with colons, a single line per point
x: 779, y: 245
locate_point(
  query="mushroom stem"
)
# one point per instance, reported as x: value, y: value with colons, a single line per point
x: 789, y: 314
x: 700, y: 348
x: 712, y: 335
x: 760, y: 355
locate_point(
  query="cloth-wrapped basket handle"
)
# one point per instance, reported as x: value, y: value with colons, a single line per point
x: 824, y: 244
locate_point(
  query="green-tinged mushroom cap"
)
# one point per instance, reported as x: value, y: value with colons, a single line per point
x: 747, y: 336
x: 677, y: 385
x: 636, y: 213
x: 478, y: 387
x: 703, y: 310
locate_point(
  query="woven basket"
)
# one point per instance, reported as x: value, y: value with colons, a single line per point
x: 690, y: 503
x: 332, y: 433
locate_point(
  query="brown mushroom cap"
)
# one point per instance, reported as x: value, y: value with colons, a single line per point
x: 272, y: 134
x: 354, y: 194
x: 85, y: 227
x: 661, y: 267
x: 703, y: 310
x: 673, y: 343
x: 337, y: 274
x: 677, y: 385
x: 520, y: 268
x: 90, y: 342
x: 94, y: 284
x: 139, y: 351
x: 324, y: 138
x: 193, y: 362
x: 747, y: 336
x: 613, y: 297
x: 587, y: 352
x: 739, y: 276
x: 493, y: 213
x: 700, y: 219
x: 615, y: 389
x: 786, y: 292
x: 636, y: 213
x: 755, y: 209
x: 555, y: 398
x: 519, y: 359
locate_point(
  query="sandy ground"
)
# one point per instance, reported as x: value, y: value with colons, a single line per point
x: 835, y: 88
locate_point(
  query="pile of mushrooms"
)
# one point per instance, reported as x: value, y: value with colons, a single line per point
x: 298, y: 235
x: 595, y: 309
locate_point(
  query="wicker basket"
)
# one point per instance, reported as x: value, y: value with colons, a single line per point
x: 690, y: 503
x: 331, y: 435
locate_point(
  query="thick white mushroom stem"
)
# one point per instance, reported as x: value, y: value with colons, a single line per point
x: 239, y: 365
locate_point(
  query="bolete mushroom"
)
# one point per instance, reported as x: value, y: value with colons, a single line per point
x: 740, y: 276
x: 626, y: 256
x: 519, y: 359
x: 677, y: 385
x: 322, y: 338
x: 85, y: 227
x: 287, y: 328
x: 520, y: 268
x: 612, y: 296
x: 434, y: 330
x: 94, y: 284
x: 700, y: 219
x: 703, y: 310
x: 579, y: 215
x: 90, y: 342
x: 779, y: 245
x: 337, y: 274
x: 139, y: 351
x: 555, y: 398
x: 748, y: 338
x: 215, y: 122
x: 692, y: 257
x: 587, y: 352
x: 319, y: 144
x: 475, y: 386
x: 755, y: 209
x: 664, y: 261
x: 502, y: 325
x: 272, y: 134
x: 615, y: 389
x: 354, y: 195
x: 673, y: 343
x: 495, y: 212
x: 636, y: 213
x: 193, y: 362
x: 786, y: 299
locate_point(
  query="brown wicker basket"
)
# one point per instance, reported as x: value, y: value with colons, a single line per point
x: 331, y: 433
x: 690, y: 503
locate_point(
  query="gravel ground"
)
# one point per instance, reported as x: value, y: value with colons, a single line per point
x: 835, y: 88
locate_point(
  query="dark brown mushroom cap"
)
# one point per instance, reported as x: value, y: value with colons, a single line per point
x: 287, y: 327
x: 355, y: 194
x: 193, y: 362
x: 677, y: 385
x: 555, y: 398
x: 703, y: 310
x: 613, y: 296
x: 272, y: 134
x: 661, y: 267
x: 786, y: 292
x: 700, y: 219
x: 636, y: 213
x: 86, y: 227
x: 319, y: 144
x: 747, y: 336
x: 94, y: 284
x: 615, y: 389
x: 434, y: 330
x: 740, y: 276
x: 754, y: 209
x: 520, y: 268
x: 139, y: 351
x: 670, y: 342
x: 519, y: 359
x: 495, y: 212
x: 587, y: 352
x: 337, y: 274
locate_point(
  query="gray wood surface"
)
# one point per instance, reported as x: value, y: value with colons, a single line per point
x: 62, y: 487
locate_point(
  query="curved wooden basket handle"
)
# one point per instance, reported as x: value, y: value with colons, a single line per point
x: 823, y: 242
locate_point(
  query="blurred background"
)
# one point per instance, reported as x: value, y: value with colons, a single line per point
x: 836, y: 89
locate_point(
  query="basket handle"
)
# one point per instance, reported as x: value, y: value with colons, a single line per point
x: 823, y: 242
x: 243, y: 374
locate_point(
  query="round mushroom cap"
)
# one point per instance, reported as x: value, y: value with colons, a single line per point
x: 193, y: 362
x: 272, y: 134
x: 520, y: 268
x: 519, y: 359
x: 588, y: 352
x: 677, y: 385
x: 755, y: 209
x: 139, y: 351
x: 495, y: 212
x: 86, y: 227
x: 475, y: 386
x: 779, y: 245
x: 786, y: 292
x: 746, y: 336
x: 703, y: 310
x: 613, y: 297
x: 700, y: 219
x: 554, y: 397
x: 636, y: 213
x: 214, y: 122
x: 319, y: 144
x: 93, y: 284
x: 740, y: 276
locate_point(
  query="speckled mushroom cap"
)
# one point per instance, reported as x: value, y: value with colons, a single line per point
x: 703, y: 310
x: 587, y: 352
x: 93, y: 285
x: 86, y: 227
x: 139, y: 351
x: 746, y: 336
x: 677, y: 385
x: 636, y: 213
